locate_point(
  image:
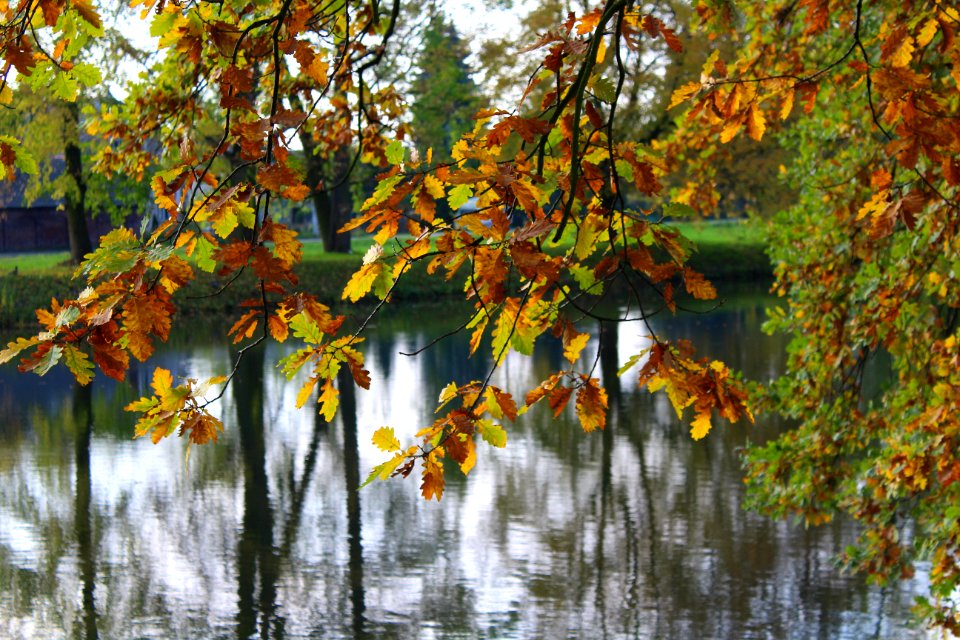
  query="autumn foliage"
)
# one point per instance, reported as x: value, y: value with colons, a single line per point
x: 569, y: 212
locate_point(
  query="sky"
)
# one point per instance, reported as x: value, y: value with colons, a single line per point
x: 473, y: 19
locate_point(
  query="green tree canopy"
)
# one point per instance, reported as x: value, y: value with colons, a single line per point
x: 444, y: 96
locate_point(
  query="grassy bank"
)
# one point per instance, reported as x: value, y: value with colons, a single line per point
x: 725, y: 252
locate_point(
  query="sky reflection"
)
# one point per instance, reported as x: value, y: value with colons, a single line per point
x: 633, y: 532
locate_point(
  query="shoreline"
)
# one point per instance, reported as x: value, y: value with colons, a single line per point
x: 22, y: 294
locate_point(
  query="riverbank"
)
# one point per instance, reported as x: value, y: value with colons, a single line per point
x: 26, y: 283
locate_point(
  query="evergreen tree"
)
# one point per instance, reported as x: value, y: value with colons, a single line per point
x: 445, y: 95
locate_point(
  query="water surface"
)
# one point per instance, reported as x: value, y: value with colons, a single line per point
x: 635, y: 532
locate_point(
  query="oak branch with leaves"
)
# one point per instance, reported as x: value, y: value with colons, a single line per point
x: 865, y: 97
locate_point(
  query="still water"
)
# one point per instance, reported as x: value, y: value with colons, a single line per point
x: 636, y: 532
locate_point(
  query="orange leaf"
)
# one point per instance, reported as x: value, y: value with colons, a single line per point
x: 433, y: 481
x: 698, y: 286
x: 558, y: 398
x: 592, y: 406
x: 278, y: 327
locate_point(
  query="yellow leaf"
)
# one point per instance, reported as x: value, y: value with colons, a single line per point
x: 927, y: 33
x: 875, y: 205
x: 477, y: 335
x: 470, y: 460
x: 709, y: 63
x: 162, y: 381
x: 700, y: 426
x: 730, y: 130
x: 588, y: 235
x: 304, y: 394
x: 6, y: 94
x: 656, y: 383
x: 601, y: 51
x: 903, y: 54
x: 787, y: 106
x: 492, y: 405
x: 317, y: 70
x: 329, y: 401
x: 756, y: 123
x: 385, y: 439
x: 286, y: 247
x: 684, y: 93
x: 449, y: 392
x: 361, y: 282
x: 573, y: 346
x: 79, y: 364
x: 433, y: 186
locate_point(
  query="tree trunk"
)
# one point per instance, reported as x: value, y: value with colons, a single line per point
x: 75, y: 197
x: 341, y: 204
x: 333, y: 206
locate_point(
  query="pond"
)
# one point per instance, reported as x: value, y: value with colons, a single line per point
x: 635, y: 532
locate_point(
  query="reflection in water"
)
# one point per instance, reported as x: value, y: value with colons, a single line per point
x: 256, y: 555
x: 636, y: 532
x: 83, y: 423
x: 351, y: 467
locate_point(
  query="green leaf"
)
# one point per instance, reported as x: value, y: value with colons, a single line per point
x: 25, y: 162
x: 604, y: 89
x: 158, y: 253
x: 383, y: 191
x: 65, y: 86
x: 67, y: 316
x: 306, y: 329
x: 634, y: 359
x: 162, y: 23
x: 492, y: 433
x: 384, y: 470
x: 87, y: 74
x: 586, y: 279
x: 203, y: 255
x: 79, y: 363
x: 395, y: 152
x: 294, y: 362
x: 383, y: 283
x: 49, y: 360
x: 679, y: 210
x: 459, y: 195
x: 143, y: 404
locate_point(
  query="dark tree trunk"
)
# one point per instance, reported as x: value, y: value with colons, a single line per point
x: 76, y: 193
x: 333, y: 206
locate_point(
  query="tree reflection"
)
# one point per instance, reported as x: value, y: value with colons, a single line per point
x: 351, y: 459
x: 256, y: 555
x: 83, y: 421
x: 633, y: 532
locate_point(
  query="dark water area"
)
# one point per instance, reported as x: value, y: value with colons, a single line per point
x: 635, y: 532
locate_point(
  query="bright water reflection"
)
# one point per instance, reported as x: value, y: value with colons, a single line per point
x: 636, y: 532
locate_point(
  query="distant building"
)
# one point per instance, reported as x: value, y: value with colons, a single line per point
x: 41, y: 225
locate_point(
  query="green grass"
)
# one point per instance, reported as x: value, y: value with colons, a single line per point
x: 713, y: 232
x: 730, y: 232
x: 56, y: 262
x: 726, y: 251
